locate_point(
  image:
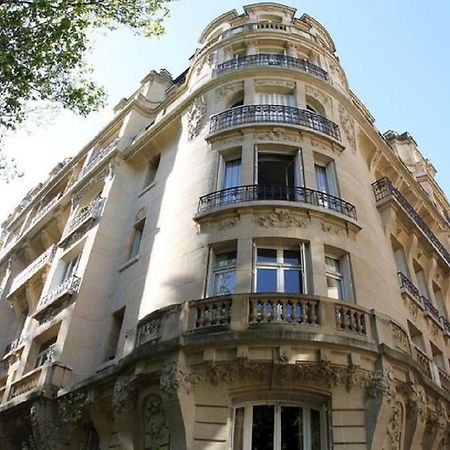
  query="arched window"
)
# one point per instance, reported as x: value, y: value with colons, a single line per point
x: 279, y: 426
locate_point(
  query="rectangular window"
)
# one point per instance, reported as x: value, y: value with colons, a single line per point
x: 422, y: 282
x: 279, y: 426
x: 224, y: 273
x: 400, y: 261
x: 46, y: 353
x: 231, y: 179
x: 280, y: 270
x: 152, y: 169
x: 326, y: 180
x: 339, y: 277
x: 71, y: 267
x: 114, y: 334
x: 137, y: 238
x: 440, y: 301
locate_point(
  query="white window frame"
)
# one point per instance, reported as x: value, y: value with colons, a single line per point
x: 345, y: 275
x: 248, y: 422
x: 218, y: 270
x: 280, y: 266
x: 331, y: 177
x: 336, y: 275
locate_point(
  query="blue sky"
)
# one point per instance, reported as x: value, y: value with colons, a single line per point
x: 396, y: 55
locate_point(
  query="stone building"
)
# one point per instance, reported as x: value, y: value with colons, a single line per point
x: 239, y: 260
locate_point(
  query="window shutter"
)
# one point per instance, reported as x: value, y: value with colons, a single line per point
x: 304, y: 267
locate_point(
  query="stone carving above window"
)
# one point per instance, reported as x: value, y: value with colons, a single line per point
x: 348, y: 126
x: 280, y: 219
x: 195, y: 115
x: 156, y: 431
x: 401, y: 340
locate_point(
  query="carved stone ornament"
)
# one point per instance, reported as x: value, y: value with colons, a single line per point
x: 337, y: 75
x: 416, y: 400
x: 124, y: 395
x: 322, y: 98
x: 75, y: 237
x: 380, y: 385
x: 332, y: 229
x: 434, y: 329
x: 413, y: 309
x: 174, y: 378
x: 150, y: 330
x: 323, y: 372
x: 280, y: 219
x: 156, y: 431
x: 228, y: 89
x: 227, y: 223
x: 394, y: 427
x: 277, y: 135
x: 195, y: 115
x: 347, y: 125
x: 401, y: 340
x: 270, y: 82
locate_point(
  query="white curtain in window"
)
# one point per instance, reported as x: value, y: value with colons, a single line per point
x: 232, y: 175
x: 276, y: 99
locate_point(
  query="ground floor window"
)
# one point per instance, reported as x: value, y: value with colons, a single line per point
x: 279, y: 426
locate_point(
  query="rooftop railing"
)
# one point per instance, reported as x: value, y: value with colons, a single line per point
x: 255, y: 192
x: 384, y: 188
x: 265, y: 60
x: 253, y: 114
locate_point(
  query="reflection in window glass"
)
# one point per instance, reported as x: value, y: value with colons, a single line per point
x: 291, y: 428
x: 263, y: 427
x: 266, y: 280
x: 292, y: 281
x: 291, y: 257
x: 224, y: 273
x: 266, y: 255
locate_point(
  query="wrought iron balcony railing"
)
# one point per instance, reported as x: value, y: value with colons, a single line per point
x: 255, y: 192
x: 34, y: 267
x: 272, y: 60
x: 69, y: 286
x: 254, y: 114
x: 90, y: 211
x: 101, y: 154
x: 385, y: 189
x: 408, y: 285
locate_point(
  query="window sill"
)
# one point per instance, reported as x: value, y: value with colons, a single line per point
x: 147, y: 188
x: 128, y: 263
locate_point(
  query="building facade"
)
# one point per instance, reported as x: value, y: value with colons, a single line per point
x: 239, y: 260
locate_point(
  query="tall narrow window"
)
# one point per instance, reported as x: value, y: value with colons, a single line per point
x: 421, y: 282
x: 440, y: 301
x: 46, y: 353
x: 231, y: 180
x: 137, y: 238
x: 280, y: 270
x: 335, y: 279
x: 71, y: 267
x: 224, y: 273
x: 400, y: 261
x: 152, y: 168
x: 114, y: 334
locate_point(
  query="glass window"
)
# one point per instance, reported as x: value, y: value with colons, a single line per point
x: 334, y: 278
x: 232, y: 175
x: 224, y: 273
x: 46, y: 353
x: 71, y: 267
x: 137, y: 238
x: 279, y: 426
x: 280, y: 270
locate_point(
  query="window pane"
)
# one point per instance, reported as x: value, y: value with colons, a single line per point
x: 292, y: 281
x: 263, y: 427
x: 238, y: 432
x: 225, y: 259
x: 321, y: 179
x: 266, y: 255
x: 232, y: 176
x: 136, y: 242
x: 291, y: 428
x: 266, y: 280
x: 334, y: 288
x: 315, y: 430
x: 291, y: 257
x: 225, y: 282
x: 332, y: 265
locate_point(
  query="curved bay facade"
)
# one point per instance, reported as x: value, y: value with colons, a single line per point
x: 238, y: 261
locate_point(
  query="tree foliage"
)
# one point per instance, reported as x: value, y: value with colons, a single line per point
x: 43, y: 45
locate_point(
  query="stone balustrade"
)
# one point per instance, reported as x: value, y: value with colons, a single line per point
x: 423, y: 362
x: 55, y: 375
x: 351, y: 318
x: 32, y: 269
x: 445, y: 380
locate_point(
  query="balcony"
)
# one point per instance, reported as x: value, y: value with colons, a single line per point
x: 52, y: 375
x: 32, y: 269
x: 14, y: 346
x: 255, y: 193
x: 98, y: 157
x: 273, y: 114
x: 278, y: 312
x: 384, y: 189
x: 407, y: 286
x: 423, y: 362
x: 57, y: 295
x: 265, y: 60
x: 90, y: 212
